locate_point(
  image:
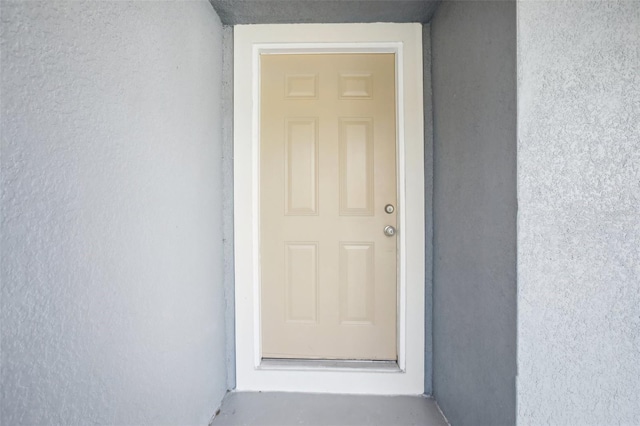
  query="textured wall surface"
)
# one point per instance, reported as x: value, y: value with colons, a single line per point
x: 227, y: 201
x: 323, y: 11
x: 579, y: 217
x: 428, y: 209
x: 474, y: 103
x: 112, y: 307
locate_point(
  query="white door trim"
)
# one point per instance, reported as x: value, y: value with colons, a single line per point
x: 405, y: 40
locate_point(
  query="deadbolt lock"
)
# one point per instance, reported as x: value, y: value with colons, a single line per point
x: 389, y: 208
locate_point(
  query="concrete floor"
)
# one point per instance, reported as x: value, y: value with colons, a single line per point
x: 285, y: 409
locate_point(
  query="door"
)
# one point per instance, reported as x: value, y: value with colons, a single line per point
x: 327, y: 193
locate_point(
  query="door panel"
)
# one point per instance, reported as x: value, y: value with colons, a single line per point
x: 301, y: 166
x: 301, y: 266
x: 356, y: 166
x: 327, y: 169
x: 357, y: 274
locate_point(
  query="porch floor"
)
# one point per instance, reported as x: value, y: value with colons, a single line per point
x: 285, y: 409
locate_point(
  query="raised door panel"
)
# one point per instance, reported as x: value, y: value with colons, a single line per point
x: 356, y: 166
x: 357, y: 283
x: 301, y: 162
x: 301, y: 266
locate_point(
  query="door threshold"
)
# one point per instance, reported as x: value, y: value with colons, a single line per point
x: 329, y: 365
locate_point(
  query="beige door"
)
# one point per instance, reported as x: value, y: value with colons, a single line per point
x: 327, y: 172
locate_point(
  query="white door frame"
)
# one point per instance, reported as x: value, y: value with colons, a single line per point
x: 405, y: 40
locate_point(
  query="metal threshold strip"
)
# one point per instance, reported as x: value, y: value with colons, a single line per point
x: 329, y: 365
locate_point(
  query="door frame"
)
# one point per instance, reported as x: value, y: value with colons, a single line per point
x: 405, y: 41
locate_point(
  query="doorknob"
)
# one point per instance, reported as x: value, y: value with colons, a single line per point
x: 389, y: 231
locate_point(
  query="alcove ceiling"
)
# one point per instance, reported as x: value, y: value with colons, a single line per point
x: 233, y: 12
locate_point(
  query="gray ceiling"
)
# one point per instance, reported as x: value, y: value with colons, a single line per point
x: 323, y: 11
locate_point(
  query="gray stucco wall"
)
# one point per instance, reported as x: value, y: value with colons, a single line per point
x: 323, y: 11
x: 579, y: 218
x: 227, y: 201
x: 474, y: 103
x: 112, y: 308
x: 428, y: 209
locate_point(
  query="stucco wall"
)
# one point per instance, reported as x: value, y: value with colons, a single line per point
x: 227, y: 202
x: 579, y: 217
x: 112, y: 306
x: 428, y: 209
x: 235, y: 12
x: 474, y: 103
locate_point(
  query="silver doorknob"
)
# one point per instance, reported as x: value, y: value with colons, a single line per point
x: 389, y: 231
